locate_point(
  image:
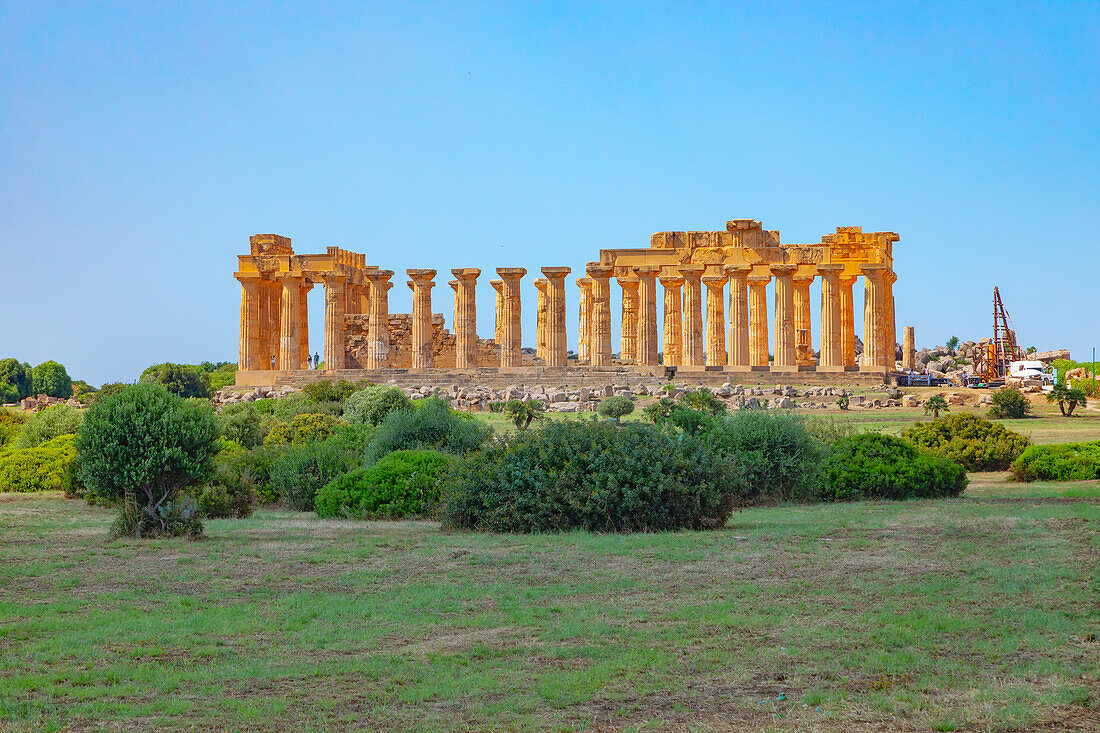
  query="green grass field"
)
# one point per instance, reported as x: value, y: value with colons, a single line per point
x: 981, y: 613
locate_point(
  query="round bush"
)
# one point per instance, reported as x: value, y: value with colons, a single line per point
x: 777, y: 458
x: 615, y: 407
x: 300, y: 471
x: 875, y: 466
x: 48, y: 424
x: 373, y: 404
x: 185, y: 380
x: 42, y: 468
x: 431, y: 424
x: 241, y: 422
x: 304, y: 428
x: 1065, y: 462
x: 976, y: 444
x: 403, y: 484
x: 595, y: 476
x: 50, y: 378
x: 1009, y: 403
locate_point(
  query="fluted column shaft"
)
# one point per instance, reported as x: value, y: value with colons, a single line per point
x: 423, y: 351
x: 874, y: 354
x: 584, y: 320
x: 890, y: 334
x: 541, y: 285
x: 739, y: 315
x: 466, y: 318
x: 628, y: 350
x: 909, y: 349
x: 758, y: 320
x: 335, y: 303
x: 556, y: 352
x: 692, y: 351
x: 290, y: 334
x: 832, y: 342
x: 674, y: 319
x: 646, y: 354
x: 600, y: 349
x: 271, y: 298
x: 803, y: 330
x: 511, y: 344
x: 716, y: 319
x: 248, y: 357
x: 847, y: 321
x: 378, y: 329
x: 303, y: 324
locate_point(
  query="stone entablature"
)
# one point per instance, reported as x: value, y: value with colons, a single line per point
x: 712, y: 297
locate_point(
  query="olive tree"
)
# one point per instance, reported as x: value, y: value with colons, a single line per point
x: 142, y: 447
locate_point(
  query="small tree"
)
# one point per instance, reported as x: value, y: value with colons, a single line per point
x: 50, y: 378
x: 953, y: 343
x: 522, y: 412
x: 373, y: 404
x: 615, y: 407
x: 183, y: 380
x: 1066, y: 398
x: 703, y: 399
x: 1009, y: 403
x: 142, y: 447
x: 936, y: 404
x: 843, y: 402
x: 17, y: 376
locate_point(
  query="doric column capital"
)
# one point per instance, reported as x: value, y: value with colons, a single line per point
x: 584, y: 282
x: 714, y: 281
x: 646, y: 271
x: 691, y: 273
x: 453, y: 284
x: 511, y: 272
x: 671, y: 281
x: 466, y: 274
x: 738, y: 270
x: 422, y: 276
x: 873, y: 270
x: 830, y: 268
x: 759, y: 279
x: 540, y: 283
x: 628, y: 283
x: 804, y: 278
x: 783, y: 270
x: 498, y: 285
x: 334, y: 279
x: 554, y: 273
x: 596, y: 271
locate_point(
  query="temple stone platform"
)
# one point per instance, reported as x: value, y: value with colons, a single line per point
x: 570, y: 376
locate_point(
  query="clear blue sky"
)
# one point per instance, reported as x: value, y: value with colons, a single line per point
x: 141, y: 144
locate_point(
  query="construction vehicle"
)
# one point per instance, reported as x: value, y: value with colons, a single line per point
x: 1002, y: 357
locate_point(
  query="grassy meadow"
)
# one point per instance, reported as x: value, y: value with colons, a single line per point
x: 979, y: 613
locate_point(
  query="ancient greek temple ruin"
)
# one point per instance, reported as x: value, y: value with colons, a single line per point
x: 718, y: 313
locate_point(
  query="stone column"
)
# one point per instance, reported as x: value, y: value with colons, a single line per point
x: 909, y: 350
x: 378, y: 336
x: 890, y: 334
x: 716, y: 319
x: 847, y: 321
x: 874, y: 353
x: 335, y: 302
x: 511, y: 344
x: 290, y: 333
x: 248, y: 357
x: 739, y: 315
x: 600, y: 349
x: 674, y: 319
x: 271, y: 296
x: 646, y: 343
x: 692, y: 351
x: 832, y: 347
x: 803, y: 331
x: 498, y: 332
x: 541, y: 284
x: 628, y: 350
x: 555, y: 316
x: 303, y: 321
x: 584, y: 321
x: 784, y: 317
x: 423, y: 348
x: 758, y: 320
x: 466, y: 318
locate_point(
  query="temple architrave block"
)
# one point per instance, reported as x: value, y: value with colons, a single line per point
x: 691, y: 324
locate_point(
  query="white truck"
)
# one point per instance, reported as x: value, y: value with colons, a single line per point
x: 1028, y: 369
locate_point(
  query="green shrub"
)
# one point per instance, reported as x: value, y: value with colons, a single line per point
x: 252, y: 466
x: 373, y: 404
x: 876, y: 466
x: 1087, y: 387
x: 596, y: 476
x: 143, y: 446
x: 183, y: 380
x: 1009, y: 403
x: 48, y: 424
x: 289, y: 407
x: 704, y: 400
x: 329, y: 391
x: 241, y: 422
x: 615, y: 407
x: 176, y: 517
x: 18, y: 377
x: 777, y: 458
x: 50, y: 378
x: 523, y: 412
x: 403, y: 484
x: 304, y: 428
x: 41, y: 468
x: 11, y: 425
x: 300, y: 471
x: 230, y: 495
x: 1064, y: 462
x: 8, y: 394
x: 976, y: 444
x: 223, y: 376
x: 430, y: 425
x: 495, y: 406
